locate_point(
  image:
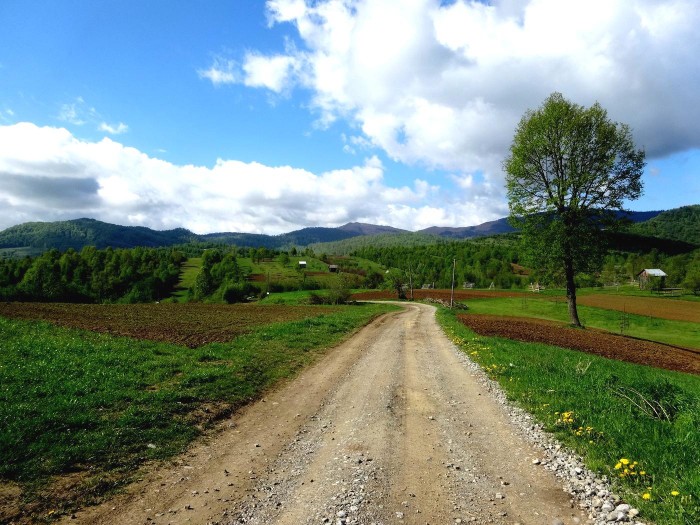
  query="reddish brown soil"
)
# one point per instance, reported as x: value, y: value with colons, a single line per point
x: 589, y: 340
x: 460, y: 295
x: 663, y: 307
x: 190, y: 324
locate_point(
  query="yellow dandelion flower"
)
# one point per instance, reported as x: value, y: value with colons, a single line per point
x: 625, y: 461
x: 642, y: 472
x: 646, y: 496
x: 675, y: 493
x: 618, y: 465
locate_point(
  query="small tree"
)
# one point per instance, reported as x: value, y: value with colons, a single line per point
x: 569, y: 170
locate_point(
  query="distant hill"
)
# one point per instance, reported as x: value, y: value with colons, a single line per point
x: 679, y: 224
x: 361, y: 228
x: 301, y: 237
x: 41, y: 236
x: 381, y: 240
x: 482, y: 230
x: 500, y: 226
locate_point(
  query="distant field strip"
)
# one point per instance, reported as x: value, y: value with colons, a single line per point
x: 189, y: 324
x: 664, y: 308
x: 604, y: 344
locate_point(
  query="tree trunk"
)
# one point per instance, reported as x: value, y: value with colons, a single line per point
x: 571, y: 294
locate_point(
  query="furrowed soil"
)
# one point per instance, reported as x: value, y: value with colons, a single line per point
x: 389, y: 427
x: 589, y: 340
x: 665, y: 308
x: 188, y: 324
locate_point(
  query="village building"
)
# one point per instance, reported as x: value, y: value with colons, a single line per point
x: 651, y: 276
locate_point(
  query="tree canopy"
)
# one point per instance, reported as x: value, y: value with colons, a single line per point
x: 569, y: 170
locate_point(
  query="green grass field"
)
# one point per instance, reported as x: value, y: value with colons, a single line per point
x: 188, y: 274
x: 580, y: 398
x: 679, y: 333
x: 73, y: 401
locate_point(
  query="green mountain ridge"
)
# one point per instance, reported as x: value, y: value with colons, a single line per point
x: 31, y: 238
x: 678, y: 224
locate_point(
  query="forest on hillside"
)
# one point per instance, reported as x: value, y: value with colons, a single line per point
x: 151, y: 274
x: 498, y: 260
x: 132, y: 275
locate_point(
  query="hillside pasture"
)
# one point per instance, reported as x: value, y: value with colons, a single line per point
x: 188, y: 275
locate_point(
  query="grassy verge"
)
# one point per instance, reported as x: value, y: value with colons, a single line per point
x: 78, y: 402
x: 581, y: 399
x: 188, y: 275
x: 679, y: 333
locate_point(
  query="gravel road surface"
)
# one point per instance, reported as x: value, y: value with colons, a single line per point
x: 391, y: 427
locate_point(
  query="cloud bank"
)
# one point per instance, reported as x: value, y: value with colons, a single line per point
x: 443, y: 84
x: 48, y: 174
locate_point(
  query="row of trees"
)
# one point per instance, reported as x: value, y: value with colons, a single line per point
x: 477, y: 262
x: 92, y: 276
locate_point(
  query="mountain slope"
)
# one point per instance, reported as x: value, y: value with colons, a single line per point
x: 481, y: 230
x: 361, y: 228
x: 88, y: 232
x: 682, y: 224
x: 679, y: 224
x: 500, y: 226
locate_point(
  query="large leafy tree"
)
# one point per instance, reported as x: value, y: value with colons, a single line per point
x: 569, y: 172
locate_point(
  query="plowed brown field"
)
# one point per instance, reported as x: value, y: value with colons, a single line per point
x: 589, y: 340
x: 444, y: 295
x: 665, y: 308
x: 189, y: 324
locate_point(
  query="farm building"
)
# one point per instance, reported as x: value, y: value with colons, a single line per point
x: 650, y: 275
x: 302, y: 264
x: 333, y: 268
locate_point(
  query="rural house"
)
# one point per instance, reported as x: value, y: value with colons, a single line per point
x: 333, y: 268
x: 302, y: 264
x: 648, y: 276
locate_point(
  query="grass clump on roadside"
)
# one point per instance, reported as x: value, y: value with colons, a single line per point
x: 638, y: 425
x: 73, y: 401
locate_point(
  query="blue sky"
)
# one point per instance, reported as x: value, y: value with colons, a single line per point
x: 272, y: 116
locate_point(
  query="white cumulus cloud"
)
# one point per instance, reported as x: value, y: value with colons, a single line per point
x: 443, y: 84
x: 222, y: 71
x: 117, y: 129
x: 46, y: 173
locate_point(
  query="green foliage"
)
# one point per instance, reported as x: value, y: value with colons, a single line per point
x: 569, y: 169
x: 680, y: 224
x: 79, y: 233
x: 480, y: 261
x: 606, y: 411
x: 382, y: 240
x: 91, y: 275
x: 239, y: 292
x: 692, y: 279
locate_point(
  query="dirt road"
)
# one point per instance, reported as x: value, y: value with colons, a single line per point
x: 390, y: 427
